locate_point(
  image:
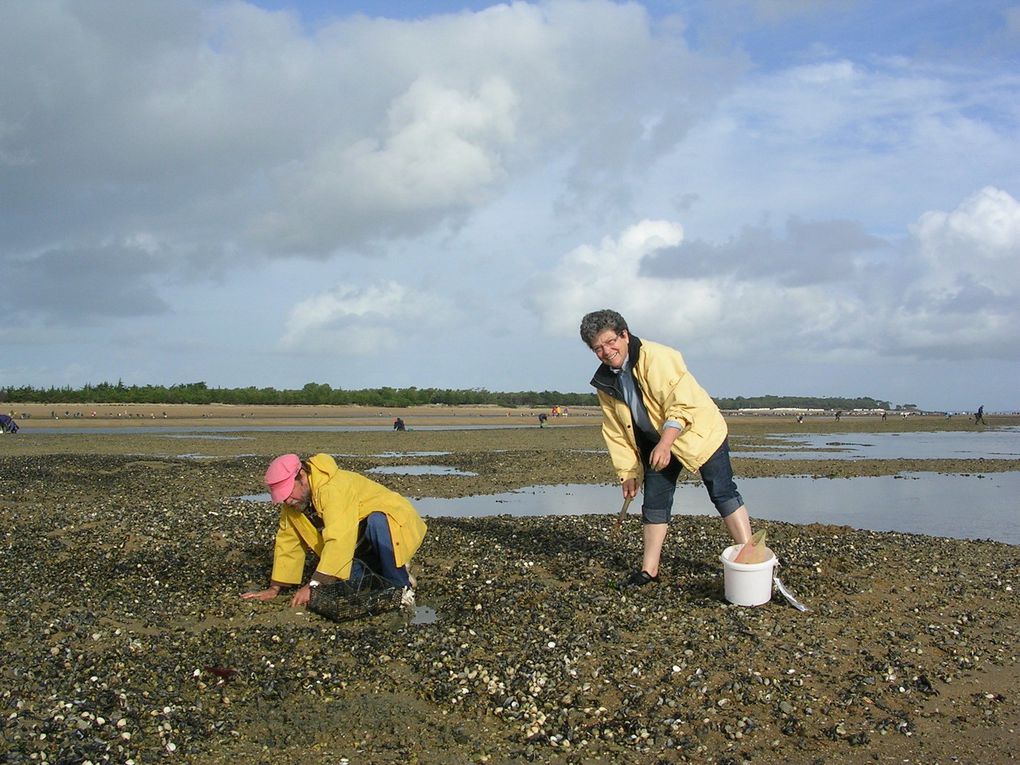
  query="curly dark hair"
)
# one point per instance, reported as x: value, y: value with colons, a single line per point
x: 596, y: 322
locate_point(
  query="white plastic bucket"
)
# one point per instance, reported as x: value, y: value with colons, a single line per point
x: 747, y: 584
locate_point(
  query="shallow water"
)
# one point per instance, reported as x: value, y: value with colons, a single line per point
x: 261, y: 497
x: 208, y: 437
x: 960, y: 506
x: 419, y: 470
x: 423, y: 615
x: 1003, y: 443
x: 390, y: 455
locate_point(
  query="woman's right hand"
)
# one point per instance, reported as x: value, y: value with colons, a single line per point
x: 630, y: 487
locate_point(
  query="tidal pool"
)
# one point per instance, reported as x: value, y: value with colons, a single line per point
x: 207, y: 437
x: 960, y: 506
x: 418, y: 470
x: 403, y: 455
x: 1002, y: 443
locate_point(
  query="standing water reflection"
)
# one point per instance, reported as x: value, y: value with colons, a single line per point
x: 961, y: 506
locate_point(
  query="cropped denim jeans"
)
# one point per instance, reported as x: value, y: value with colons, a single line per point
x: 660, y: 485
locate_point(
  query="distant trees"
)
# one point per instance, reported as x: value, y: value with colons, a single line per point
x: 311, y: 394
x: 323, y: 394
x: 801, y: 402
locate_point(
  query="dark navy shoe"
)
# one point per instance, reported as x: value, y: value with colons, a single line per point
x: 639, y: 579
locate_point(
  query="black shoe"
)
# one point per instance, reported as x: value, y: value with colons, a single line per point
x: 640, y: 579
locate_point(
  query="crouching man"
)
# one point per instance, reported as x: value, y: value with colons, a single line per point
x: 348, y: 520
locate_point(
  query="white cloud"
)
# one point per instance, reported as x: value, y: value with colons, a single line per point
x: 952, y: 291
x: 608, y: 275
x: 222, y: 124
x: 717, y: 310
x: 966, y: 302
x: 979, y: 240
x: 441, y: 152
x: 361, y: 320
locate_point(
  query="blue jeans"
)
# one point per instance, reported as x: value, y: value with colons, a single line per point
x: 660, y: 485
x: 374, y: 551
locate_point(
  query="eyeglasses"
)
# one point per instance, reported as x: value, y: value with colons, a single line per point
x: 602, y: 347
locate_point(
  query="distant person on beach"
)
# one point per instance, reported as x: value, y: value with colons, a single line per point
x: 657, y: 421
x: 979, y: 416
x: 398, y: 424
x: 7, y: 424
x: 349, y: 521
x: 542, y: 417
x: 838, y: 415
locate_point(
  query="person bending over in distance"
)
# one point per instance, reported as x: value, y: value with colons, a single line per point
x: 349, y: 521
x: 657, y: 421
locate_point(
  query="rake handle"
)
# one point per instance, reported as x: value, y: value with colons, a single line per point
x: 623, y: 511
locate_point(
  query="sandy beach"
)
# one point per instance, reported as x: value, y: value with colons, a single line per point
x: 126, y: 638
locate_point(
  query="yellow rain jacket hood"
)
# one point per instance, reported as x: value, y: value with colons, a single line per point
x: 342, y: 499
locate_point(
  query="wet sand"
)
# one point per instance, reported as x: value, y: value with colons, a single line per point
x: 126, y: 639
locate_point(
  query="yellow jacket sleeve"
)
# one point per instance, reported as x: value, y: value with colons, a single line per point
x: 289, y: 549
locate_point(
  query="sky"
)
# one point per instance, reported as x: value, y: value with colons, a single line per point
x: 805, y: 198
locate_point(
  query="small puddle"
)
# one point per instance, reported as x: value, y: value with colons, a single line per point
x: 404, y: 455
x: 418, y: 470
x: 206, y: 437
x: 263, y: 497
x: 423, y: 615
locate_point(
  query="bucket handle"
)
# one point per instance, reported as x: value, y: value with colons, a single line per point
x: 790, y: 598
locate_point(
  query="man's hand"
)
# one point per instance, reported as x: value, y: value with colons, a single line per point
x: 301, y: 597
x: 268, y: 594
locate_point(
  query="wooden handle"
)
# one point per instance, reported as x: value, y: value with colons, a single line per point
x: 623, y: 511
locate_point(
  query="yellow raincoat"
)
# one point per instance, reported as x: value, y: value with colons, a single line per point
x: 342, y: 499
x: 669, y: 392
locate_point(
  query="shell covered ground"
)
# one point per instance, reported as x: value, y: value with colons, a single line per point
x: 125, y: 638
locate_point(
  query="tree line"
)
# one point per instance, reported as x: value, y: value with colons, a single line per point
x: 803, y: 402
x: 321, y: 394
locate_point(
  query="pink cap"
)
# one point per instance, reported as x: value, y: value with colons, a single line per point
x: 280, y: 476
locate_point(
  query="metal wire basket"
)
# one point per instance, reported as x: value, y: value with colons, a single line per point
x: 355, y: 598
